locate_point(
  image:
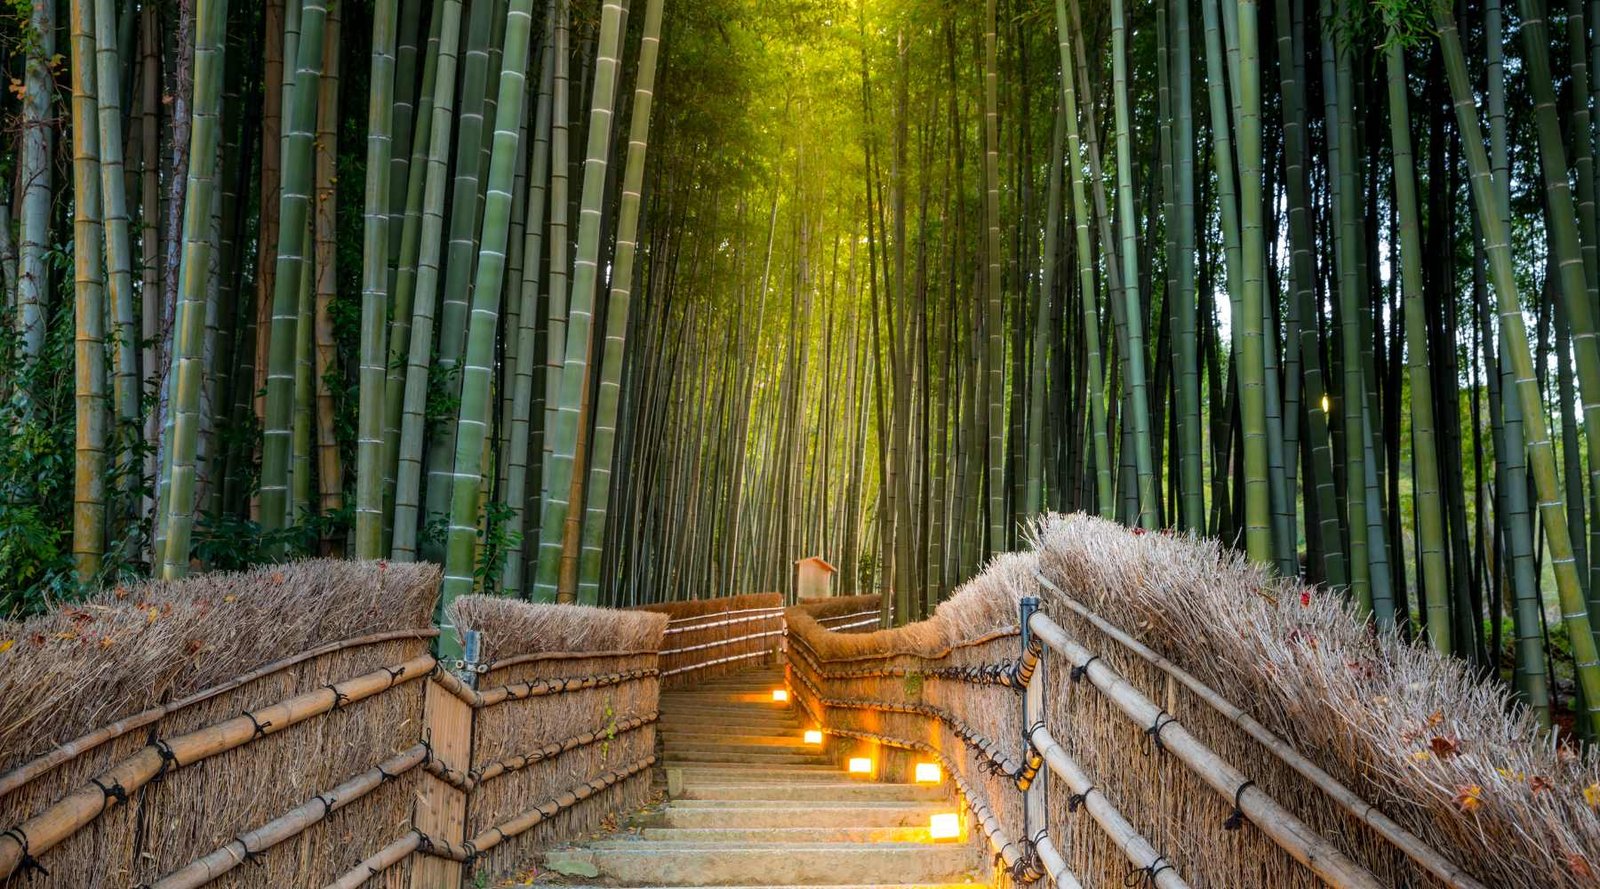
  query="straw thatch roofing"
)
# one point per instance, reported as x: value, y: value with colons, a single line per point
x: 127, y: 649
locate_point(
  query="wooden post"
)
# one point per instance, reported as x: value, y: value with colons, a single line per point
x: 441, y: 810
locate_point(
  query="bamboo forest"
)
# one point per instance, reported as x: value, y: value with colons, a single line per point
x: 626, y: 301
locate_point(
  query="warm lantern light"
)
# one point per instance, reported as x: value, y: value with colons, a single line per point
x: 929, y: 773
x: 813, y: 736
x: 780, y: 695
x: 945, y: 826
x: 860, y: 765
x: 1326, y: 404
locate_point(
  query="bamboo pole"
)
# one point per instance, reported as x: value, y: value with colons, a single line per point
x: 1278, y: 823
x: 379, y: 861
x: 290, y: 824
x: 67, y: 816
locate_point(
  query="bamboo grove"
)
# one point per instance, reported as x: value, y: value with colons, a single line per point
x: 623, y: 301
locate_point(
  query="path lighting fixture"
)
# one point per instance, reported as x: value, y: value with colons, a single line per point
x: 929, y: 773
x: 945, y: 826
x: 860, y: 765
x: 780, y: 696
x: 813, y: 736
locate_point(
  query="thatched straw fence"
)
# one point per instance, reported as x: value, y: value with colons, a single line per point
x: 710, y: 637
x: 1192, y: 722
x: 846, y: 614
x: 160, y: 737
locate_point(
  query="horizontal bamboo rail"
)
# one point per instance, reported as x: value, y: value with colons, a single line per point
x: 466, y: 782
x: 1111, y: 821
x: 720, y: 643
x: 541, y: 656
x: 77, y: 747
x: 291, y: 824
x: 380, y: 861
x: 530, y: 819
x: 751, y: 614
x: 537, y: 688
x: 715, y: 661
x: 49, y: 828
x: 1288, y: 832
x: 1408, y: 843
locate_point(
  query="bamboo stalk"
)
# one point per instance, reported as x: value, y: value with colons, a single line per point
x: 67, y: 816
x: 77, y: 747
x: 1278, y: 823
x: 290, y: 824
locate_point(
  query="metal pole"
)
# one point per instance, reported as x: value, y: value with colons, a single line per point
x: 1033, y: 799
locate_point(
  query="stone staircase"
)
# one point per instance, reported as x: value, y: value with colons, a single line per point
x: 752, y: 805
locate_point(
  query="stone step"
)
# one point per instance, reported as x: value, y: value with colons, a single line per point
x: 815, y: 792
x: 822, y: 834
x: 707, y: 743
x: 819, y: 864
x: 724, y: 776
x: 754, y: 757
x: 752, y: 814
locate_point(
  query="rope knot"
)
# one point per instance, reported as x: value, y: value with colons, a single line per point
x: 1152, y: 735
x: 1237, y: 819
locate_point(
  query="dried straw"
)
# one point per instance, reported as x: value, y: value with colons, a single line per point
x: 1441, y: 753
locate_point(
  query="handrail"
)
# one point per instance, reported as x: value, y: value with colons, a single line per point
x: 1408, y: 843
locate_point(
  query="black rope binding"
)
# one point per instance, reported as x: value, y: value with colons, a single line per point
x: 169, y: 760
x: 1236, y: 820
x: 1077, y: 673
x: 114, y: 792
x: 395, y: 673
x: 261, y: 727
x: 340, y: 699
x: 1152, y: 735
x: 383, y: 776
x: 28, y: 864
x: 424, y: 842
x: 250, y: 855
x: 1078, y: 799
x: 327, y: 804
x: 1146, y: 876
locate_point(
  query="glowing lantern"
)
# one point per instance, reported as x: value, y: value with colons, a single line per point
x: 1326, y: 404
x: 813, y: 736
x: 929, y: 773
x: 860, y: 765
x: 945, y: 826
x: 780, y: 695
